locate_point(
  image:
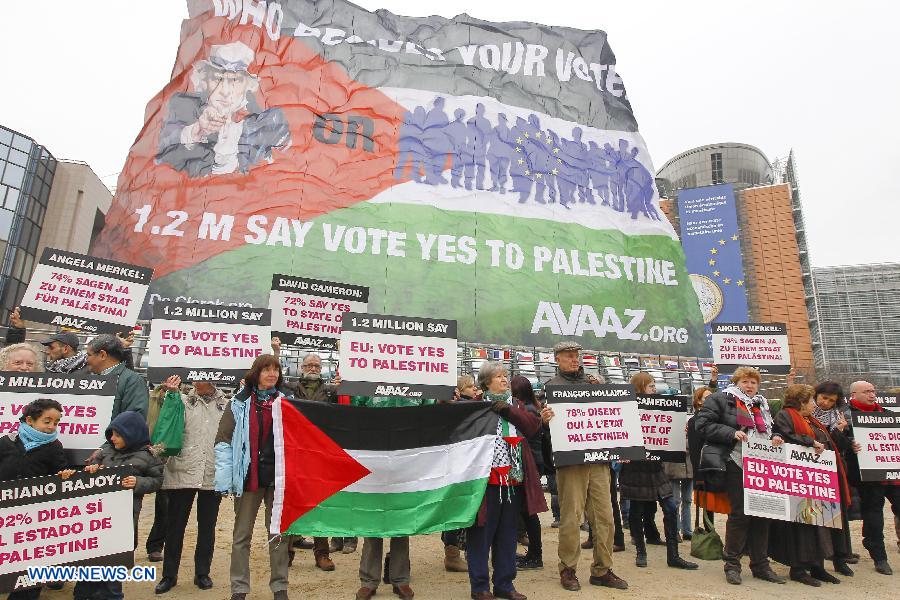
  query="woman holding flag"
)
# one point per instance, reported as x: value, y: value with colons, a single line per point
x: 245, y: 468
x: 513, y: 480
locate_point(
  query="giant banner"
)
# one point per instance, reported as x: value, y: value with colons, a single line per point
x: 711, y: 241
x: 494, y: 170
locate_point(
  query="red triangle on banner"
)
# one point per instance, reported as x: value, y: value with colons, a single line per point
x: 315, y: 467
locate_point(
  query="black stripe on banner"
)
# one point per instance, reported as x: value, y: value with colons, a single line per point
x: 52, y: 383
x: 34, y: 490
x: 586, y: 457
x: 64, y: 319
x: 208, y: 313
x: 96, y: 266
x: 759, y: 329
x: 228, y: 377
x: 666, y: 455
x: 879, y: 474
x: 317, y: 287
x: 402, y: 428
x: 292, y: 338
x: 886, y: 420
x: 398, y: 325
x: 122, y: 559
x: 400, y: 390
x: 662, y: 403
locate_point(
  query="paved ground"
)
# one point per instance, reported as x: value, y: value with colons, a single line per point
x: 429, y: 580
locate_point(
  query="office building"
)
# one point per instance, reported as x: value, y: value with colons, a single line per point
x: 44, y: 202
x: 776, y: 274
x: 857, y: 331
x: 26, y: 176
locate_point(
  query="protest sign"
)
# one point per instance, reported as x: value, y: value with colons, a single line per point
x: 388, y: 355
x: 206, y: 343
x: 555, y: 214
x: 87, y: 402
x: 663, y: 420
x: 760, y: 345
x: 888, y: 401
x: 791, y: 483
x: 594, y: 423
x: 84, y: 292
x: 879, y: 435
x: 84, y: 520
x: 308, y: 312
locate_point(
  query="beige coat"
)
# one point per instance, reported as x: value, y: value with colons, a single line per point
x: 195, y: 466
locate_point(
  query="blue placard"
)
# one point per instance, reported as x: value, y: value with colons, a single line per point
x: 712, y: 245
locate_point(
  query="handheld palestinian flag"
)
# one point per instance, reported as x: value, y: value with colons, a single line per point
x: 379, y: 472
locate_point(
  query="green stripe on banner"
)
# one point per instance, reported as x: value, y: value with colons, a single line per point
x: 349, y: 514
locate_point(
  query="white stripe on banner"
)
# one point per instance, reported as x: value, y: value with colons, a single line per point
x: 421, y: 469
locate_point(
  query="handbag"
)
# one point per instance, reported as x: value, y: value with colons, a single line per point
x: 705, y: 542
x: 712, y: 468
x: 169, y: 430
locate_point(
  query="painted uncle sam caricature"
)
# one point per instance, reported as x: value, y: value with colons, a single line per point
x: 219, y: 128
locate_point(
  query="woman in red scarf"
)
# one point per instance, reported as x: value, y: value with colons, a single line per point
x: 804, y: 547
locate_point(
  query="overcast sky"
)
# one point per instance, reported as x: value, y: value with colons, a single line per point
x: 822, y: 78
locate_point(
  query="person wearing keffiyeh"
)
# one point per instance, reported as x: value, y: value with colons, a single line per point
x: 725, y: 421
x: 513, y: 482
x: 828, y: 410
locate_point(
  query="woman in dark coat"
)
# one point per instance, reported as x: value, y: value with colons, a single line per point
x: 803, y: 547
x: 726, y: 419
x: 645, y: 483
x: 524, y: 395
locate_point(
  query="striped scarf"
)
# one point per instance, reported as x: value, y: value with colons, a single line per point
x: 506, y: 466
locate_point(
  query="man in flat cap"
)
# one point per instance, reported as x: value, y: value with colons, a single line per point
x: 583, y: 489
x: 219, y: 128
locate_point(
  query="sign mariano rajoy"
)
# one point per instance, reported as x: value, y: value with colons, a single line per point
x: 414, y: 157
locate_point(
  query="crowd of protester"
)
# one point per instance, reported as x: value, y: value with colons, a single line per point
x: 228, y: 452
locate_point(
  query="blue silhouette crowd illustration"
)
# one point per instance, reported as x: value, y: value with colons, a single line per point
x: 536, y: 161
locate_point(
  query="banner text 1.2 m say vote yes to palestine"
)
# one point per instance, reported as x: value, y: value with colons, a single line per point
x: 360, y: 162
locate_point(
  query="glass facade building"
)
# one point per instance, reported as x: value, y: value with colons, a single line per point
x: 26, y: 175
x: 741, y: 165
x: 857, y: 330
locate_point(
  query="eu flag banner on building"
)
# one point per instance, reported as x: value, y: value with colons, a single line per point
x: 712, y: 247
x: 379, y: 472
x: 410, y: 156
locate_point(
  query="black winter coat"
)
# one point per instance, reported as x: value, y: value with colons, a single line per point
x: 644, y: 480
x: 695, y: 443
x: 717, y: 424
x: 15, y: 463
x: 536, y: 441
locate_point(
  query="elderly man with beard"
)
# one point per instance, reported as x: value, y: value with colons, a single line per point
x: 311, y: 386
x: 219, y: 128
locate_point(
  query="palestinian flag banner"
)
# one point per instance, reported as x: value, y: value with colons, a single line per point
x: 413, y: 157
x: 379, y: 472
